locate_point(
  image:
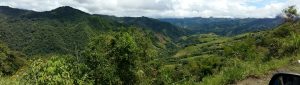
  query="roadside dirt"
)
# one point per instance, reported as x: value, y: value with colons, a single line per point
x: 264, y: 80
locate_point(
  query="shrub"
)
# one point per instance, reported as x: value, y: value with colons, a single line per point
x: 118, y: 57
x: 245, y: 50
x: 282, y: 32
x: 65, y: 70
x: 292, y: 44
x: 204, y: 66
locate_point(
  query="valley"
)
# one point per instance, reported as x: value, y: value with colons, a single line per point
x: 66, y: 46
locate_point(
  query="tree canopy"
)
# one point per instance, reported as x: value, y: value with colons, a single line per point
x: 291, y: 13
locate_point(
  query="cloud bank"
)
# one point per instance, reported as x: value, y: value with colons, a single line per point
x: 164, y: 8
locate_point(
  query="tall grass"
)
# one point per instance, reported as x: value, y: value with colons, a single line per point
x: 9, y: 81
x: 243, y: 70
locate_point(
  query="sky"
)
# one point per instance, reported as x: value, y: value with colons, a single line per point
x: 164, y: 8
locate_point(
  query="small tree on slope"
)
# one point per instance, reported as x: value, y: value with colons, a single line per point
x: 290, y: 14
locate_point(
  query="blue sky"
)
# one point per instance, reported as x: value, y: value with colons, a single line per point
x: 263, y: 3
x: 164, y: 8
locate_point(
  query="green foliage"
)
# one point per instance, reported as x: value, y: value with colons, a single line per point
x: 241, y: 69
x: 43, y: 36
x: 10, y: 61
x: 255, y: 55
x: 291, y: 44
x: 291, y: 13
x: 66, y: 30
x: 197, y: 39
x: 225, y: 26
x: 245, y: 50
x: 109, y: 51
x: 204, y: 66
x: 284, y: 31
x: 115, y: 58
x: 204, y: 44
x: 190, y: 71
x: 58, y: 70
x: 155, y: 25
x: 8, y: 81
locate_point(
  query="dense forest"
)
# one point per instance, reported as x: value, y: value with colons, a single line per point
x: 225, y: 26
x: 70, y: 47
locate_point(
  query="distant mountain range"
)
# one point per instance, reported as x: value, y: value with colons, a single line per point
x: 67, y: 13
x: 68, y: 46
x: 225, y: 26
x: 64, y: 29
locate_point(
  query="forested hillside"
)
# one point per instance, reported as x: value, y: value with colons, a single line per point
x: 215, y: 60
x: 66, y: 46
x: 155, y: 25
x: 67, y: 30
x: 225, y: 26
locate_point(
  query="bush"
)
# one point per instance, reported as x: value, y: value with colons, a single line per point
x: 118, y: 57
x: 282, y: 32
x: 291, y: 44
x: 191, y: 70
x: 245, y: 50
x: 65, y: 70
x: 204, y: 66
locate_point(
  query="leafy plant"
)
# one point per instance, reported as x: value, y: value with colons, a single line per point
x: 58, y: 70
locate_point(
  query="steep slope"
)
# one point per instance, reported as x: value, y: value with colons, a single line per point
x: 65, y: 13
x: 212, y: 60
x: 67, y: 30
x: 13, y: 12
x: 225, y: 26
x: 10, y: 61
x: 155, y: 25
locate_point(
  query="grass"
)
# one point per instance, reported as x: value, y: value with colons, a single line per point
x: 9, y: 81
x: 243, y: 70
x: 249, y: 56
x: 203, y: 48
x: 16, y: 79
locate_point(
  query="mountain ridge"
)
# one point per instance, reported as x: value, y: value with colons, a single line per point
x: 225, y: 26
x: 66, y: 46
x: 13, y: 12
x: 64, y: 29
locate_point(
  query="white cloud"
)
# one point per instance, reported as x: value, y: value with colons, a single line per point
x: 163, y: 8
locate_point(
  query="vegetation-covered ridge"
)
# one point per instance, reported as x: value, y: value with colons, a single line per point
x: 48, y: 48
x: 67, y: 30
x: 225, y: 26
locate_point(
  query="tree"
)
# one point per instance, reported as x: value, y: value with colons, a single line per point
x: 119, y: 57
x: 125, y: 52
x: 58, y: 70
x: 290, y: 14
x: 10, y: 61
x: 103, y: 70
x: 112, y: 58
